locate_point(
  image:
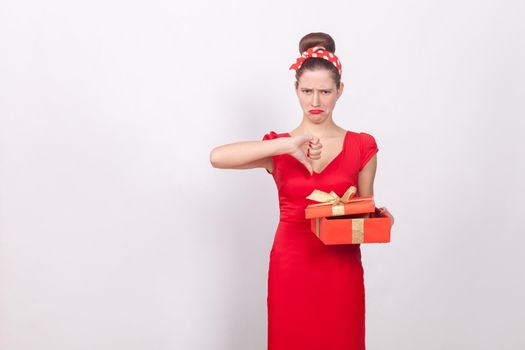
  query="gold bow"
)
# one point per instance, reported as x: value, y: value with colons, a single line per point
x: 333, y: 199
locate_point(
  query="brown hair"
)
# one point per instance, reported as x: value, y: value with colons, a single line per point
x: 317, y: 63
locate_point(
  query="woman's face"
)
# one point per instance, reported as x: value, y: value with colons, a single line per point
x: 318, y: 94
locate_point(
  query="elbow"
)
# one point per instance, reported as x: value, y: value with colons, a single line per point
x: 214, y: 158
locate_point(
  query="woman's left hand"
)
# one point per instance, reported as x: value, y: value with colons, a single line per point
x: 385, y: 210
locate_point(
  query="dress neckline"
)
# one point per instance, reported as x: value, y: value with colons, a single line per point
x: 333, y: 159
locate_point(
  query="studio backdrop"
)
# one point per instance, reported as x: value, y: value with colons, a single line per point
x: 117, y: 233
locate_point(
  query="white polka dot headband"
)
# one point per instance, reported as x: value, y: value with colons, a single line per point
x: 317, y: 51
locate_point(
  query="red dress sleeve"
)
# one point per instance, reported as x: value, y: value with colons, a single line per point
x: 368, y: 148
x: 270, y: 136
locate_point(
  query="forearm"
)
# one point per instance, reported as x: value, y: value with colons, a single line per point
x: 241, y: 154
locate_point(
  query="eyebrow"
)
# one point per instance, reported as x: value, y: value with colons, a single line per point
x: 307, y: 88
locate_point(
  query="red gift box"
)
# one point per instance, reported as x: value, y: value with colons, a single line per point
x: 347, y: 219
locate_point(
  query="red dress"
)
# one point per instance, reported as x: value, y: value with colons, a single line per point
x: 316, y: 295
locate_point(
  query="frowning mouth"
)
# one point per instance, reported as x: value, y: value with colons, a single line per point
x: 316, y: 111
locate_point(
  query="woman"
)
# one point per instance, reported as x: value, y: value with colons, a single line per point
x: 316, y: 294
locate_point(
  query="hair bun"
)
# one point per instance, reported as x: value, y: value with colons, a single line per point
x: 317, y: 39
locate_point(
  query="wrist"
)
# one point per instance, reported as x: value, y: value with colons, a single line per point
x: 283, y: 145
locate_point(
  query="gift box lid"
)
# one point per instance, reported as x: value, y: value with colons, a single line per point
x: 333, y: 205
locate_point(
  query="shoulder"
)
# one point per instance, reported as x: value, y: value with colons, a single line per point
x: 363, y: 138
x: 360, y: 136
x: 366, y: 138
x: 367, y: 146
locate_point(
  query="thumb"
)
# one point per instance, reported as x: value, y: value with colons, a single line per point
x: 305, y: 161
x: 308, y: 166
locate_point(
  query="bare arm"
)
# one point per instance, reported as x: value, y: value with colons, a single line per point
x: 250, y: 154
x: 365, y: 179
x: 366, y: 182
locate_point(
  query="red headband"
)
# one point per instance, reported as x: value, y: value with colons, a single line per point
x: 317, y: 51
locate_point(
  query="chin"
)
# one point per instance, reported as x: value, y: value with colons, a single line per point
x: 317, y: 120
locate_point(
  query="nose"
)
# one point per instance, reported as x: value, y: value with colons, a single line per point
x: 315, y: 101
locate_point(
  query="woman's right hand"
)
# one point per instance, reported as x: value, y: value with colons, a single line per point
x: 306, y: 147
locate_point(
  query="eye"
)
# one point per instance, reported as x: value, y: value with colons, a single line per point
x: 326, y: 92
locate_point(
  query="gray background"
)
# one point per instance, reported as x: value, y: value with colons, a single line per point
x: 116, y: 232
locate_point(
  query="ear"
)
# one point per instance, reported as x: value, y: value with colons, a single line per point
x: 340, y: 91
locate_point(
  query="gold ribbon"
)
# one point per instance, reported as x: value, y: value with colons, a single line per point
x: 317, y: 227
x: 358, y: 230
x: 337, y: 203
